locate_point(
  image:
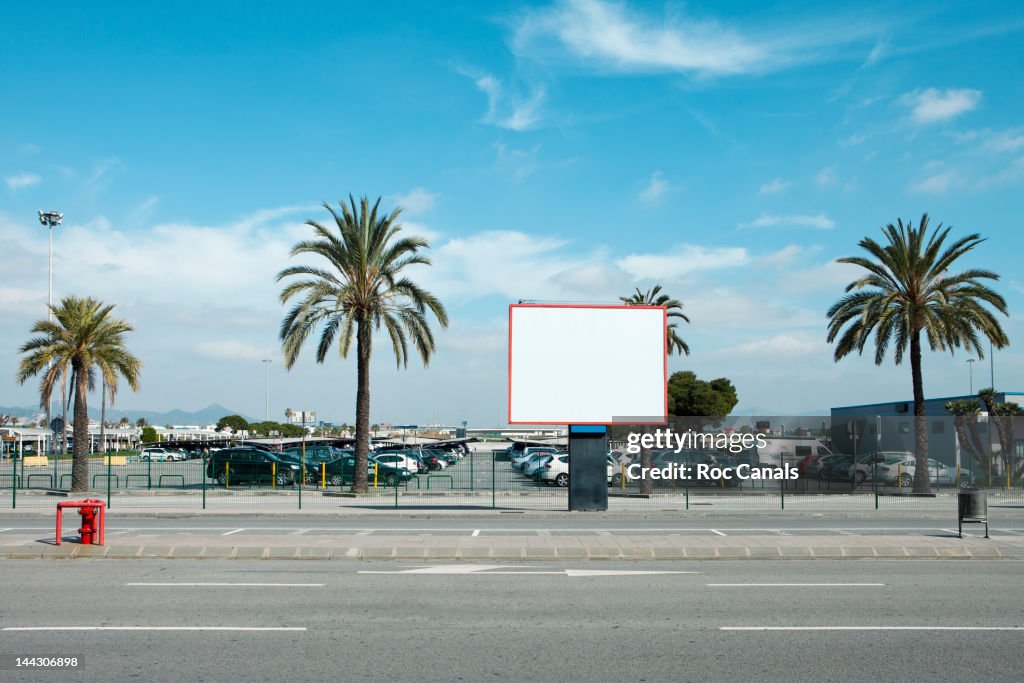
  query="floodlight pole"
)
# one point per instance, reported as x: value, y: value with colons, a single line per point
x: 50, y: 219
x: 970, y: 364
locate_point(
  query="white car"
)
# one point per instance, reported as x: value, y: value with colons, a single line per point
x: 160, y: 455
x: 556, y: 471
x: 397, y: 460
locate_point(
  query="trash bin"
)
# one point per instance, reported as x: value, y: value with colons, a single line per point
x: 972, y: 508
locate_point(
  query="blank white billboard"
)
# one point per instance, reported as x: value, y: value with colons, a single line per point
x: 570, y: 364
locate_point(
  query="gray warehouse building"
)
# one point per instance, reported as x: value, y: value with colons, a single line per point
x: 890, y: 427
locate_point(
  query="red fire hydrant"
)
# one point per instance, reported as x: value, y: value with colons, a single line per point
x: 93, y: 513
x: 88, y: 528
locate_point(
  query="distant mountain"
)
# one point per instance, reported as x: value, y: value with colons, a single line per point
x: 208, y: 415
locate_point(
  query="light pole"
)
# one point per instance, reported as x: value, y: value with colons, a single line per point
x: 51, y: 219
x: 266, y: 363
x: 970, y: 364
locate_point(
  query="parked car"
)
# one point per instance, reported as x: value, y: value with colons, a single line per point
x: 815, y: 467
x: 535, y: 462
x: 556, y: 470
x: 157, y: 454
x: 836, y: 468
x: 397, y: 459
x: 900, y: 467
x: 341, y: 471
x: 243, y: 464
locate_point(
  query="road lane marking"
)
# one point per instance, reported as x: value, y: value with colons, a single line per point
x: 871, y: 628
x: 154, y: 628
x: 801, y: 585
x: 716, y: 531
x: 476, y: 532
x: 260, y: 585
x: 619, y: 572
x: 228, y: 533
x: 500, y: 570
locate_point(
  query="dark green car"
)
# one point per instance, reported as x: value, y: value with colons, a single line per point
x: 316, y: 457
x: 341, y: 471
x: 247, y: 465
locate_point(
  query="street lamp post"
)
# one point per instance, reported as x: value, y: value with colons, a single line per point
x: 266, y: 363
x: 51, y: 219
x: 970, y: 364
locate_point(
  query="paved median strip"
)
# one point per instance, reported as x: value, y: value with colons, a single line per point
x: 153, y: 628
x: 221, y: 585
x: 871, y: 628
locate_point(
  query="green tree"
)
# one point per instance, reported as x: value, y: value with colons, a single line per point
x: 82, y: 338
x: 653, y: 297
x: 236, y: 423
x: 149, y: 435
x: 965, y: 423
x: 908, y: 290
x: 707, y: 402
x: 361, y: 289
x: 141, y: 422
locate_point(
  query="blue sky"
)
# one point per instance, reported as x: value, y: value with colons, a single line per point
x: 558, y: 151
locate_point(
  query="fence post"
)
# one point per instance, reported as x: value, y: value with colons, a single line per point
x: 109, y: 460
x: 782, y: 493
x: 203, y: 476
x: 149, y: 473
x: 471, y: 479
x: 396, y: 492
x: 14, y: 482
x: 494, y: 458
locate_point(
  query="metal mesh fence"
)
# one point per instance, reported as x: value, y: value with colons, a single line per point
x: 851, y: 463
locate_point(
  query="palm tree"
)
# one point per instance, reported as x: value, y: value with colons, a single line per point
x: 82, y: 338
x: 908, y: 290
x: 674, y: 343
x: 1005, y: 414
x: 361, y: 289
x: 652, y: 297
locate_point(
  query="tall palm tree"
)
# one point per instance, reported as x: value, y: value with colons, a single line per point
x: 82, y: 338
x: 653, y: 297
x: 361, y: 289
x: 674, y: 344
x: 906, y: 291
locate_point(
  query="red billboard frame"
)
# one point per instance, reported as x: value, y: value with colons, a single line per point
x: 664, y: 311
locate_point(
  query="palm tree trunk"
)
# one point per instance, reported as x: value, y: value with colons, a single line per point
x: 64, y: 413
x: 363, y: 340
x: 646, y: 483
x: 922, y: 482
x: 80, y: 463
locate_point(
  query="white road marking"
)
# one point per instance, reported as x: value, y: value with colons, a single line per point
x: 871, y: 628
x: 228, y: 533
x: 154, y: 628
x: 801, y: 585
x: 716, y: 531
x: 476, y: 532
x: 498, y: 570
x: 261, y: 585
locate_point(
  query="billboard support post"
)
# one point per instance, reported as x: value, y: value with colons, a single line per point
x: 588, y: 467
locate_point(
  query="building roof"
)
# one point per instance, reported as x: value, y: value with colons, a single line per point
x: 967, y: 397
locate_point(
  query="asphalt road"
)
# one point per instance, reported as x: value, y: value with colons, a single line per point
x: 932, y: 620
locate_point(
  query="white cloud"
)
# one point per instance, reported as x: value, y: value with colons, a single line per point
x: 818, y: 222
x: 775, y: 186
x: 234, y: 350
x: 682, y: 260
x: 17, y: 182
x: 509, y: 110
x: 938, y: 183
x: 853, y: 140
x: 994, y: 142
x: 782, y: 345
x: 614, y: 36
x: 827, y: 176
x: 655, y: 188
x: 933, y: 105
x: 416, y: 201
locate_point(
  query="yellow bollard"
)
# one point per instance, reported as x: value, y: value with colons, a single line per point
x: 899, y: 476
x: 375, y: 466
x: 323, y: 475
x: 227, y: 476
x: 273, y: 475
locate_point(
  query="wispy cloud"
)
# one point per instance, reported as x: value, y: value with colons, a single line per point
x: 22, y: 180
x: 992, y: 141
x: 656, y: 187
x: 507, y: 109
x: 817, y: 222
x: 827, y: 176
x: 938, y: 183
x: 416, y: 201
x: 775, y: 186
x: 613, y: 36
x: 682, y: 260
x: 933, y: 105
x: 853, y: 140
